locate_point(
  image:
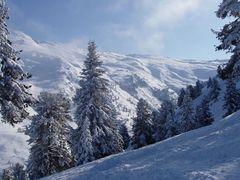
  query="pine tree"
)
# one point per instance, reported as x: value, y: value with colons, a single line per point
x: 125, y: 135
x: 198, y: 89
x: 209, y: 82
x: 96, y: 135
x: 7, y: 174
x: 181, y: 97
x: 215, y: 90
x: 142, y: 125
x: 171, y: 126
x: 191, y: 91
x: 14, y: 96
x: 160, y: 120
x: 203, y: 115
x: 231, y: 98
x: 229, y: 36
x: 50, y: 149
x: 14, y: 172
x: 187, y: 114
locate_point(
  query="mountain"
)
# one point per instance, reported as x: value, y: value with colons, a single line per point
x: 57, y: 66
x: 208, y: 153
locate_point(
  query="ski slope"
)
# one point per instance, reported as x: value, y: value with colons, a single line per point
x: 211, y: 152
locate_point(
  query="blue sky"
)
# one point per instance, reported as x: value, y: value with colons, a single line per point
x: 173, y: 28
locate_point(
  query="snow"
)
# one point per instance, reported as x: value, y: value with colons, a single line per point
x: 211, y: 152
x: 13, y: 145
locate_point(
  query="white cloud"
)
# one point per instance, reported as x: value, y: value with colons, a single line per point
x: 153, y: 20
x: 166, y: 12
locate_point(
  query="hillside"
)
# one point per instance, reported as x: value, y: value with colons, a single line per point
x: 208, y: 153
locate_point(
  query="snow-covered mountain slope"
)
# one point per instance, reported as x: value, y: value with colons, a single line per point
x: 58, y: 66
x: 211, y: 152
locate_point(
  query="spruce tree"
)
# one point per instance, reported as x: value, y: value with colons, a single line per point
x: 14, y: 95
x: 142, y: 125
x: 15, y: 172
x: 215, y: 90
x: 198, y: 89
x: 187, y: 122
x: 160, y: 119
x: 181, y: 97
x: 96, y: 135
x: 171, y: 126
x: 231, y: 98
x: 209, y: 82
x: 203, y: 116
x: 229, y: 37
x: 7, y: 174
x: 125, y: 135
x: 191, y: 91
x: 50, y: 149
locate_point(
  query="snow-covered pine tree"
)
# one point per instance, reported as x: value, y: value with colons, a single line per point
x: 142, y: 125
x: 15, y: 172
x: 229, y: 37
x: 171, y: 126
x: 50, y: 149
x: 215, y: 90
x: 7, y: 174
x: 97, y: 134
x: 14, y: 95
x: 125, y: 135
x: 157, y: 125
x: 203, y: 116
x: 160, y: 120
x: 231, y: 98
x: 181, y: 97
x: 209, y: 82
x: 198, y: 89
x: 191, y: 91
x: 187, y: 120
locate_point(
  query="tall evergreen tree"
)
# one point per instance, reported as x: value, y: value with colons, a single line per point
x: 15, y: 172
x: 191, y: 91
x: 181, y: 97
x: 160, y: 125
x: 187, y: 122
x: 142, y: 125
x: 50, y: 149
x: 125, y: 135
x: 215, y: 90
x: 203, y: 116
x: 209, y: 82
x: 96, y: 135
x: 229, y: 37
x: 231, y: 98
x: 7, y: 174
x: 198, y: 89
x: 14, y: 96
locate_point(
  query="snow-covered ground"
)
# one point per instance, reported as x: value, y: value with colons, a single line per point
x: 211, y: 152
